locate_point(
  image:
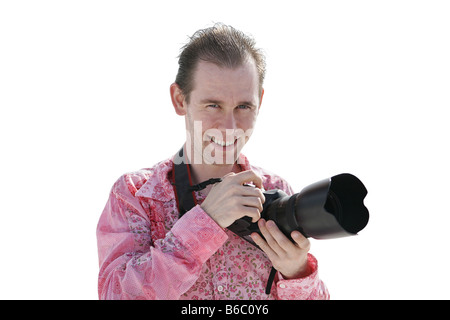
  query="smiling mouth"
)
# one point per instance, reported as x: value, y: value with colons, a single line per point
x: 223, y: 143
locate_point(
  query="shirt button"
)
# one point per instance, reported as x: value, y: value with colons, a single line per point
x: 282, y: 285
x: 220, y: 288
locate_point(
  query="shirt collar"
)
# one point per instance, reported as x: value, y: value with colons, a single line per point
x: 158, y: 185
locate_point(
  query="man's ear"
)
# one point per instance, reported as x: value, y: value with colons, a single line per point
x: 261, y: 99
x: 178, y: 100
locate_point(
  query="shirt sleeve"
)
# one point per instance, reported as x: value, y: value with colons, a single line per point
x: 132, y: 267
x: 306, y: 288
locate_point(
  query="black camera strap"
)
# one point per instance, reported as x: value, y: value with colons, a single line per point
x: 186, y: 200
x: 182, y: 182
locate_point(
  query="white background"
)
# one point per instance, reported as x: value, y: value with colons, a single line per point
x: 352, y: 86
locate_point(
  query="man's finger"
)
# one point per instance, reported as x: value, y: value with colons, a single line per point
x: 249, y: 176
x: 282, y: 241
x: 271, y: 241
x: 252, y: 192
x: 264, y: 246
x: 300, y: 240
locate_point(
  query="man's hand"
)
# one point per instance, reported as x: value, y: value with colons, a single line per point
x: 291, y: 259
x: 230, y: 199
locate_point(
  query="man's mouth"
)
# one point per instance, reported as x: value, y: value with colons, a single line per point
x: 222, y: 143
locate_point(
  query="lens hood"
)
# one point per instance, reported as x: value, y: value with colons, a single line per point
x: 332, y: 208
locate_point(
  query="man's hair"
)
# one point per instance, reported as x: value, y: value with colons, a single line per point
x: 222, y: 45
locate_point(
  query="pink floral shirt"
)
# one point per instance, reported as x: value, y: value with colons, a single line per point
x: 147, y: 252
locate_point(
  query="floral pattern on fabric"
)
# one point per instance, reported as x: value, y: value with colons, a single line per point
x: 147, y: 252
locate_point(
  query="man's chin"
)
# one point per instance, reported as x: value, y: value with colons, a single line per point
x: 220, y: 161
x: 220, y: 155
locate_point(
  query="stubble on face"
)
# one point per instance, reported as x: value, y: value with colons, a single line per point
x: 221, y: 112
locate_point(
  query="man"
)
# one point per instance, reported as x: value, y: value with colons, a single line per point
x: 148, y: 251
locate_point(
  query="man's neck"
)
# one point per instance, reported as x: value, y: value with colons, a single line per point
x: 203, y: 172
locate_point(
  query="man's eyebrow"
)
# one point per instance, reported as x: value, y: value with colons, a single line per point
x: 247, y: 103
x: 219, y: 102
x: 211, y: 101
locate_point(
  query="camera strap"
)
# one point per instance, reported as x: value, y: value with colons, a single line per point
x: 185, y: 197
x: 182, y: 183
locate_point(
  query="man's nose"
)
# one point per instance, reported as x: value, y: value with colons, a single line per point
x: 228, y: 121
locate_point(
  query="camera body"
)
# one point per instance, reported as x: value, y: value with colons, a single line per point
x: 244, y: 226
x: 330, y: 208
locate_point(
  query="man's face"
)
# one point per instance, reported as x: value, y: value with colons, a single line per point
x: 222, y: 111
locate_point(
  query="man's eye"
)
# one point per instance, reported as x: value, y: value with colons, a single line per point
x: 243, y: 106
x: 213, y: 106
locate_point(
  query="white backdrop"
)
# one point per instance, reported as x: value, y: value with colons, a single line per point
x: 352, y: 86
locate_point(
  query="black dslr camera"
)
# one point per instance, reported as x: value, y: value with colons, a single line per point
x: 331, y: 208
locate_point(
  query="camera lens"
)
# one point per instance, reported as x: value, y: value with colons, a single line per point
x: 333, y: 206
x: 327, y: 209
